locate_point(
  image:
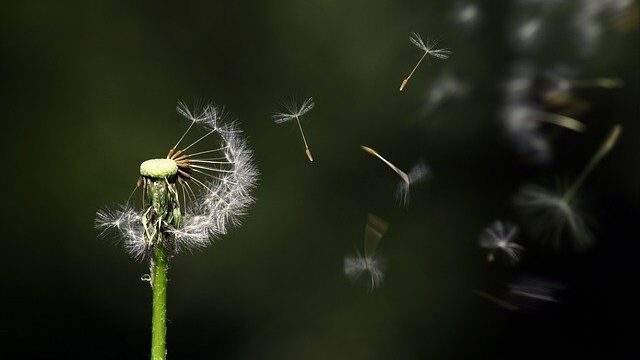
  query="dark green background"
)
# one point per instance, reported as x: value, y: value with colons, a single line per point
x: 88, y: 92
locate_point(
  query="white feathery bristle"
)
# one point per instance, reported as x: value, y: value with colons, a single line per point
x: 418, y: 173
x: 429, y: 47
x: 499, y: 237
x: 126, y: 221
x: 214, y: 206
x: 551, y: 215
x: 293, y: 110
x: 355, y: 267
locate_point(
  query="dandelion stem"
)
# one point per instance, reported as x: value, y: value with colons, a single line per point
x: 160, y: 267
x: 406, y: 80
x: 304, y: 139
x: 604, y: 149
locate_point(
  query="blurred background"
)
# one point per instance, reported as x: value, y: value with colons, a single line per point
x: 89, y: 91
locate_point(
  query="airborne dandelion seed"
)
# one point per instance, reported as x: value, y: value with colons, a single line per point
x: 417, y: 174
x: 552, y: 213
x: 295, y: 111
x: 368, y: 263
x: 429, y: 48
x: 499, y: 238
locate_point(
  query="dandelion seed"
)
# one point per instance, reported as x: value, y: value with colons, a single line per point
x: 368, y: 263
x: 554, y: 213
x: 417, y: 174
x: 499, y: 238
x: 428, y: 49
x: 295, y: 111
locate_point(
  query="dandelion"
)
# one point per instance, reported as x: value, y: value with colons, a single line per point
x: 295, y: 111
x: 499, y: 237
x: 188, y: 197
x: 417, y: 174
x: 428, y: 49
x: 368, y: 263
x: 554, y: 213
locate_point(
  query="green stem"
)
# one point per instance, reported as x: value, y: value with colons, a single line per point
x: 159, y: 317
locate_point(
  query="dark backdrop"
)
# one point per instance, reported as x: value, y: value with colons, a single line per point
x: 88, y: 92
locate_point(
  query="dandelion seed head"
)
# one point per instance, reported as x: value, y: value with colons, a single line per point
x: 500, y: 237
x: 551, y: 215
x: 216, y: 188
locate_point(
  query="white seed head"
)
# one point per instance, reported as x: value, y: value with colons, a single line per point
x: 499, y: 237
x: 216, y: 186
